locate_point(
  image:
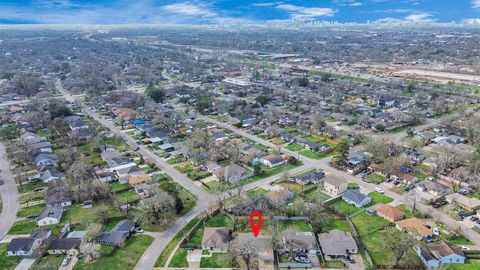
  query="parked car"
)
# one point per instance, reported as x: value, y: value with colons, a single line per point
x: 138, y: 230
x: 473, y: 218
x: 32, y: 216
x: 66, y: 261
x: 350, y: 259
x: 379, y: 190
x: 465, y: 248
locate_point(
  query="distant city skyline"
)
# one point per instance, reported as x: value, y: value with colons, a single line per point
x: 226, y: 11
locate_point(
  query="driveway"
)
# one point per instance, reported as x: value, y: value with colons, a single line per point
x: 70, y: 265
x: 25, y: 264
x: 9, y: 194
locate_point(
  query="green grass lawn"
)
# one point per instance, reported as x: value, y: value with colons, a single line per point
x: 379, y: 198
x: 32, y: 197
x: 421, y: 176
x: 34, y: 209
x: 217, y: 260
x: 366, y: 224
x: 345, y: 208
x: 119, y: 187
x: 338, y: 224
x: 162, y: 259
x: 314, y: 155
x: 256, y: 192
x: 334, y: 264
x: 375, y: 178
x: 179, y: 260
x: 30, y: 186
x: 298, y: 225
x: 26, y: 226
x: 294, y: 147
x: 122, y: 258
x: 128, y: 196
x: 317, y: 195
x: 49, y: 261
x: 6, y: 262
x: 470, y: 264
x: 175, y: 160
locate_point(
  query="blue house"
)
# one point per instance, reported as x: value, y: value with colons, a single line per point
x: 355, y: 197
x: 436, y: 254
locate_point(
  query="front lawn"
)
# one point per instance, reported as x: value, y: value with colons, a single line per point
x: 49, y: 262
x: 121, y: 258
x: 179, y: 260
x: 294, y: 147
x: 30, y: 186
x: 26, y: 226
x: 375, y: 178
x: 314, y: 155
x: 217, y: 260
x: 34, y: 209
x: 176, y: 160
x: 470, y: 264
x: 379, y: 198
x: 256, y: 192
x: 128, y: 196
x: 32, y: 197
x: 6, y: 262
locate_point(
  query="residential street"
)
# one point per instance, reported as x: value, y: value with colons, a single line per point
x: 8, y: 194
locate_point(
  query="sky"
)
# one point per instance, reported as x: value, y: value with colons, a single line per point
x: 230, y: 11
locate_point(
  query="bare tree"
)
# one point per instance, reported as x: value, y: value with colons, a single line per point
x: 244, y: 253
x: 89, y: 250
x: 399, y: 243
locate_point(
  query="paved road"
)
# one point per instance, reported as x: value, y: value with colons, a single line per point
x: 9, y: 194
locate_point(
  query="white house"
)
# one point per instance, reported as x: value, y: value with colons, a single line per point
x: 51, y: 215
x: 272, y: 161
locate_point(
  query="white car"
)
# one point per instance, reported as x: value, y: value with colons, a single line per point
x: 379, y: 190
x: 66, y: 261
x: 465, y: 248
x: 436, y: 231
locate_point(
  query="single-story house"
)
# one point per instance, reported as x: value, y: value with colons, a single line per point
x: 103, y: 175
x: 390, y: 213
x: 434, y: 188
x: 313, y: 177
x: 304, y: 242
x: 404, y: 177
x: 139, y: 179
x: 438, y: 253
x: 64, y: 246
x: 415, y: 227
x: 334, y: 185
x: 272, y: 161
x: 232, y: 173
x: 26, y: 246
x: 355, y: 197
x: 51, y: 215
x: 215, y: 239
x: 337, y: 244
x: 118, y: 235
x: 470, y: 204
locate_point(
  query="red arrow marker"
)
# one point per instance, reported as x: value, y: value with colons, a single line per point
x: 256, y: 227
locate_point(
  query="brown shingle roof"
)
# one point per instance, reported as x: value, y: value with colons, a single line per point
x: 390, y: 212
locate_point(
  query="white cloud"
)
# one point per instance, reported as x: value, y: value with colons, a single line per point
x: 266, y: 4
x: 189, y: 10
x: 299, y: 12
x: 419, y: 17
x: 476, y: 3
